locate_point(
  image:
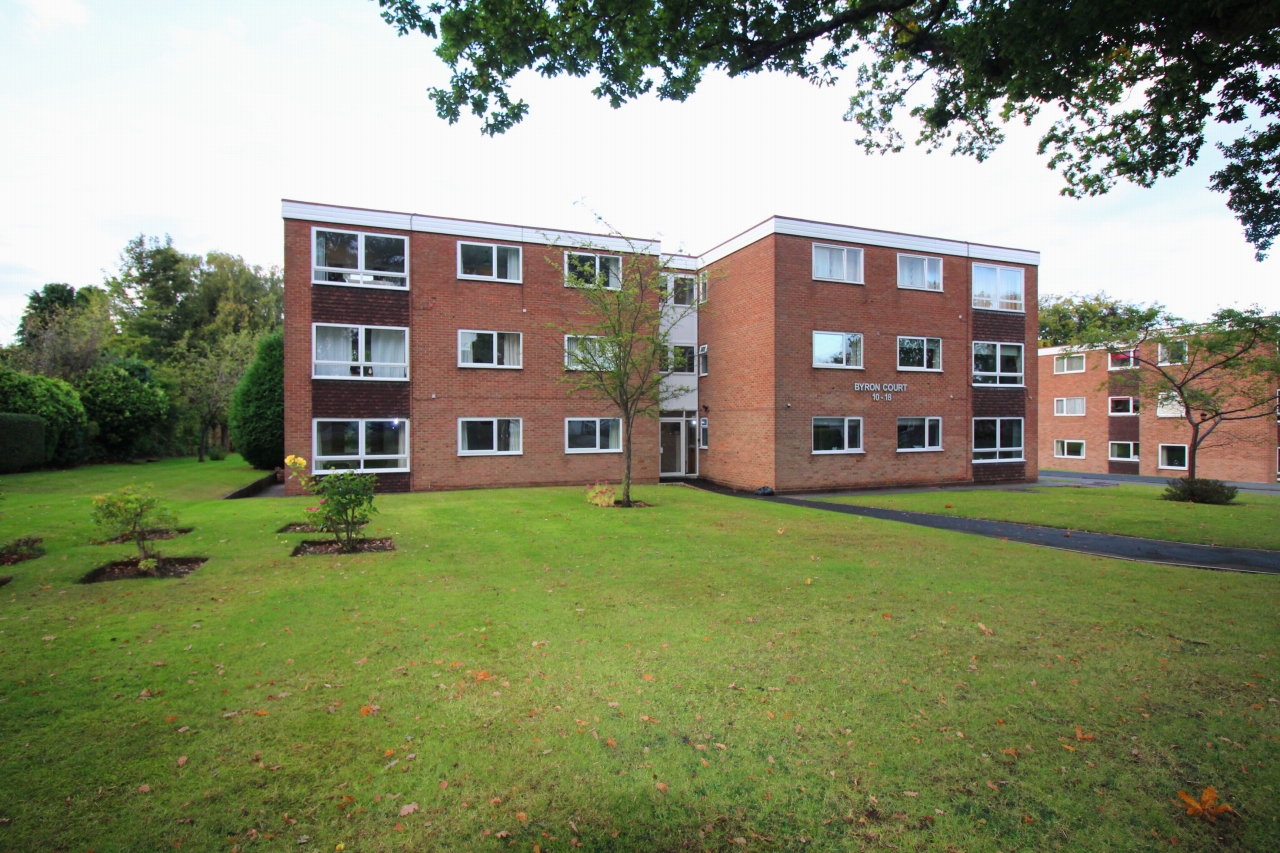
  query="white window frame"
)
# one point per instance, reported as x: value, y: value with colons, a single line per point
x: 361, y: 456
x: 704, y: 361
x: 1065, y: 359
x: 1064, y: 413
x: 470, y: 364
x: 1186, y: 456
x: 702, y: 287
x: 1133, y: 360
x: 360, y: 271
x: 926, y: 448
x: 362, y: 364
x: 995, y: 300
x: 671, y: 360
x: 1165, y: 404
x: 1135, y: 407
x: 493, y: 259
x: 848, y: 337
x: 926, y: 340
x: 1062, y: 443
x: 1133, y: 448
x: 568, y: 282
x: 704, y: 438
x: 671, y: 291
x: 926, y: 259
x: 567, y: 338
x: 998, y: 374
x: 862, y: 438
x: 597, y: 448
x: 1162, y: 353
x: 813, y: 259
x: 997, y: 450
x: 494, y: 421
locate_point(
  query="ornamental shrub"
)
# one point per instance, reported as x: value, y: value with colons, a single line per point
x: 57, y: 403
x: 346, y: 500
x: 133, y: 512
x: 1199, y: 490
x: 601, y: 494
x: 24, y: 442
x: 257, y: 407
x: 125, y: 409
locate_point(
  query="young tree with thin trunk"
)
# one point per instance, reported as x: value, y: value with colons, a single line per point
x: 207, y: 375
x: 618, y: 348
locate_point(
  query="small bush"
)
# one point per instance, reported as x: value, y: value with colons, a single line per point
x: 24, y: 442
x: 125, y: 408
x: 601, y: 494
x: 346, y: 500
x: 56, y: 402
x: 1199, y: 491
x: 132, y: 512
x: 216, y: 453
x: 25, y: 548
x: 257, y: 407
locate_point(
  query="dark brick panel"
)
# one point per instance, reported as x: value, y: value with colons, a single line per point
x: 399, y: 482
x: 999, y: 326
x: 362, y: 305
x: 338, y: 398
x: 999, y: 403
x: 1122, y: 383
x: 1000, y: 472
x: 1122, y: 467
x: 1122, y: 429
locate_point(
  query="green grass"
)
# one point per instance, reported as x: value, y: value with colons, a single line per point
x: 1251, y: 521
x: 509, y: 645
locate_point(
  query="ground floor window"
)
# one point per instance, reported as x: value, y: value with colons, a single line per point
x: 1067, y: 448
x: 702, y: 433
x: 1173, y: 456
x: 916, y: 434
x: 1123, y: 451
x: 836, y: 435
x: 360, y: 445
x: 593, y: 435
x: 488, y: 436
x: 997, y: 439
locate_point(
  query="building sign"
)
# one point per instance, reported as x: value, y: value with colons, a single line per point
x: 881, y: 390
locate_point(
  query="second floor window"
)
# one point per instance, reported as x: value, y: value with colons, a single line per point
x: 1169, y: 405
x: 1174, y: 352
x: 488, y: 349
x: 919, y: 353
x: 679, y: 359
x: 837, y: 349
x: 1073, y: 363
x: 582, y: 269
x: 682, y: 289
x: 1122, y: 405
x: 360, y: 352
x: 489, y: 262
x: 702, y: 360
x: 1123, y: 360
x: 997, y: 364
x: 356, y: 258
x: 917, y: 272
x: 997, y: 288
x: 584, y: 352
x: 837, y: 263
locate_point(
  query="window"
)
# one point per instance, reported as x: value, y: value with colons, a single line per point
x: 364, y: 260
x: 702, y: 360
x: 359, y: 352
x: 702, y: 287
x: 360, y: 445
x: 919, y: 353
x: 1169, y: 405
x: 1173, y: 456
x: 582, y: 269
x: 593, y: 435
x: 837, y: 349
x: 703, y: 443
x: 1124, y: 360
x: 583, y: 352
x: 997, y: 364
x: 682, y: 289
x: 489, y: 349
x: 1068, y: 449
x: 1174, y: 352
x: 997, y: 288
x: 1068, y: 363
x: 837, y: 435
x: 1068, y: 406
x: 997, y: 439
x: 919, y: 434
x: 917, y: 272
x: 1123, y: 405
x: 679, y: 360
x: 488, y: 436
x: 836, y: 263
x: 1122, y: 451
x: 489, y: 262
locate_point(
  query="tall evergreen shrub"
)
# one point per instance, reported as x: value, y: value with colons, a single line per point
x: 56, y: 402
x: 257, y: 409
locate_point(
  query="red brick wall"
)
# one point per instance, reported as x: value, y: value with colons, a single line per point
x: 1093, y: 428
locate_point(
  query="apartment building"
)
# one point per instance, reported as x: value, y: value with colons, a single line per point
x: 809, y: 356
x: 1093, y: 421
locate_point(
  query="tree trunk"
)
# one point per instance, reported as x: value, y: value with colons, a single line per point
x: 1191, y: 450
x: 626, y: 464
x: 204, y: 435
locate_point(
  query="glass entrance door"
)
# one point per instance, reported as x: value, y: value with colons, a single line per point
x: 671, y: 455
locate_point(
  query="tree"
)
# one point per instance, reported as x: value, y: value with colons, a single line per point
x: 125, y: 407
x: 206, y: 376
x: 618, y: 349
x: 68, y: 340
x: 257, y: 406
x: 1137, y: 81
x: 133, y: 513
x: 53, y: 400
x: 1224, y: 370
x: 42, y: 304
x: 149, y: 296
x: 1066, y: 320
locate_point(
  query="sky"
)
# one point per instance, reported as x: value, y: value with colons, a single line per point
x: 195, y: 119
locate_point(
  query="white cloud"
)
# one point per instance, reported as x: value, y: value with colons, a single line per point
x: 49, y: 14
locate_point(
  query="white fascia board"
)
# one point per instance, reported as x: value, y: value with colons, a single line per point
x: 681, y: 262
x: 1002, y: 255
x: 1068, y: 349
x: 345, y: 215
x: 734, y: 244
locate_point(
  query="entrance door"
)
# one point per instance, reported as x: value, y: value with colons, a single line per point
x: 671, y: 456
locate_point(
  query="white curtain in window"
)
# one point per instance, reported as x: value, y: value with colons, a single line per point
x: 336, y: 344
x: 385, y: 348
x: 510, y: 349
x: 911, y: 272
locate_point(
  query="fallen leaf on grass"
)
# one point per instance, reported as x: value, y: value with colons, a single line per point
x: 408, y: 809
x: 647, y: 676
x: 1080, y: 735
x: 1068, y: 747
x: 171, y: 718
x: 522, y: 817
x: 444, y: 783
x: 1205, y: 808
x: 984, y: 629
x: 911, y: 793
x: 611, y: 742
x: 261, y: 713
x: 388, y: 753
x: 146, y: 789
x: 182, y: 761
x: 993, y: 786
x: 661, y: 786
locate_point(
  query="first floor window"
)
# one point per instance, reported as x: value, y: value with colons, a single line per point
x: 837, y: 349
x: 582, y: 269
x: 919, y: 353
x: 1123, y: 405
x: 997, y: 364
x: 1174, y: 352
x: 1123, y: 360
x: 1068, y: 406
x: 919, y: 434
x: 1065, y: 448
x: 917, y: 272
x: 702, y: 434
x: 489, y: 262
x: 488, y: 436
x: 361, y: 445
x: 836, y: 435
x: 1173, y: 456
x: 367, y: 260
x: 679, y: 360
x: 488, y: 349
x: 1123, y: 451
x: 360, y: 352
x: 996, y: 439
x: 584, y: 352
x: 592, y: 435
x: 1169, y: 405
x: 997, y: 288
x: 1073, y: 363
x: 682, y: 289
x: 702, y: 360
x: 837, y: 263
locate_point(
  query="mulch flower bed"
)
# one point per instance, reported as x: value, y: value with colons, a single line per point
x: 153, y: 533
x: 4, y: 579
x: 318, y: 547
x: 26, y: 548
x: 303, y: 527
x: 166, y: 567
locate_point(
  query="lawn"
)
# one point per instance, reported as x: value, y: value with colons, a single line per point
x: 1251, y: 521
x: 529, y: 672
